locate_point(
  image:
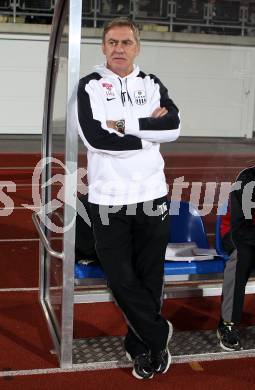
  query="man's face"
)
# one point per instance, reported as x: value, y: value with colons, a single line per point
x: 120, y: 49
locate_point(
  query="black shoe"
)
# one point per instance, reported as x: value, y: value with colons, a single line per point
x: 229, y: 336
x: 162, y: 360
x: 142, y: 367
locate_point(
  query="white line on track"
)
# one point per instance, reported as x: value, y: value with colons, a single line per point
x: 18, y: 239
x: 21, y: 208
x: 28, y: 289
x: 41, y: 371
x: 121, y: 364
x: 24, y: 185
x: 77, y: 368
x: 16, y: 168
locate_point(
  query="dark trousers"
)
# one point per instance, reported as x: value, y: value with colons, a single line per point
x: 131, y: 250
x: 237, y: 271
x: 84, y: 239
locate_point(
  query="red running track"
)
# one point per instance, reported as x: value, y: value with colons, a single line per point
x: 24, y: 338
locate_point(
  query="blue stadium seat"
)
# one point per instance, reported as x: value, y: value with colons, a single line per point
x: 186, y: 225
x: 92, y: 271
x: 204, y: 267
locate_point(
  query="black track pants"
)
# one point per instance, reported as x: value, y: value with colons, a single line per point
x: 237, y: 271
x: 131, y: 249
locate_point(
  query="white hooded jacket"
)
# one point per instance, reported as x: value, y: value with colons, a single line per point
x: 125, y: 169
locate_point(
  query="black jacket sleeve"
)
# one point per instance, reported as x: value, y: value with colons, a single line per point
x: 170, y: 121
x: 242, y: 225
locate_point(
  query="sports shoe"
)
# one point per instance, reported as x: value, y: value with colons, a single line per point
x: 142, y: 367
x: 162, y: 360
x: 229, y: 336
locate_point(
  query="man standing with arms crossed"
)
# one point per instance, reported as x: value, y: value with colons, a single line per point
x: 124, y: 114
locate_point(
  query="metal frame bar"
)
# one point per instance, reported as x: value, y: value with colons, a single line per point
x: 170, y: 19
x: 62, y: 335
x: 44, y: 240
x: 45, y: 192
x: 172, y: 290
x: 71, y: 155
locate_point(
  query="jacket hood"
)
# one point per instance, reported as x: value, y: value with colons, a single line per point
x: 105, y: 72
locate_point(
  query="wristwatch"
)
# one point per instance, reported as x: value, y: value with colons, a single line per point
x: 120, y: 125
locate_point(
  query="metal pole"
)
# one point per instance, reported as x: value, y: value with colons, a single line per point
x: 95, y: 14
x: 171, y: 13
x: 243, y: 18
x: 14, y: 11
x: 70, y: 189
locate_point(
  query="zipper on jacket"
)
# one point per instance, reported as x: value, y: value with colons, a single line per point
x: 123, y: 93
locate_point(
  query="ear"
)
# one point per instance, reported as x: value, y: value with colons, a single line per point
x: 138, y: 49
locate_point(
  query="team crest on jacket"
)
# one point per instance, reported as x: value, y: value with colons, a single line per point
x: 140, y: 97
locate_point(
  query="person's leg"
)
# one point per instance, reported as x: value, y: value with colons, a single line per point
x: 236, y: 274
x: 114, y: 243
x: 133, y: 344
x: 150, y: 241
x: 150, y: 238
x: 84, y: 239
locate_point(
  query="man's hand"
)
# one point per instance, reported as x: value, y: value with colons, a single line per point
x: 159, y: 112
x: 111, y: 124
x: 117, y: 125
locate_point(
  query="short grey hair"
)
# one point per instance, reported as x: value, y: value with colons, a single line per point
x: 122, y: 22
